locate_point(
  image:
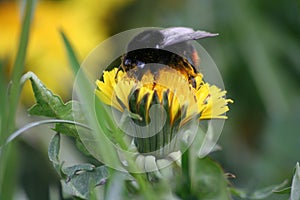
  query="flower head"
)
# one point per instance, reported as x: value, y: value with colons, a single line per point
x: 170, y: 89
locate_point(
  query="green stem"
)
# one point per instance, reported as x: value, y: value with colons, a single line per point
x: 144, y: 186
x: 186, y: 173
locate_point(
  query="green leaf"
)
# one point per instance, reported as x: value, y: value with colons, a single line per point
x: 208, y: 180
x: 84, y: 180
x: 97, y: 142
x: 53, y: 150
x: 9, y: 108
x: 77, y: 180
x: 71, y: 171
x: 51, y: 105
x: 123, y: 186
x: 116, y: 186
x: 295, y: 189
x: 265, y: 192
x: 53, y: 153
x: 283, y: 191
x: 80, y: 146
x: 10, y: 177
x: 71, y: 54
x: 108, y: 125
x: 238, y: 192
x: 262, y: 193
x: 186, y: 179
x: 47, y: 103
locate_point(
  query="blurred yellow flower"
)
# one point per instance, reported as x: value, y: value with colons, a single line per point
x: 82, y: 21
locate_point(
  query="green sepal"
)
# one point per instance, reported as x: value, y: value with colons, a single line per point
x: 133, y: 101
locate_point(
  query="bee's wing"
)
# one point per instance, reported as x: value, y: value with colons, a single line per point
x: 176, y: 35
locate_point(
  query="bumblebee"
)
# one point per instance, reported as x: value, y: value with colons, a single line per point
x: 170, y: 46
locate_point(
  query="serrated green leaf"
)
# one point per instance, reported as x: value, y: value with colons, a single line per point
x: 71, y: 111
x: 79, y: 179
x: 51, y: 105
x: 295, y: 189
x: 79, y: 185
x: 47, y: 103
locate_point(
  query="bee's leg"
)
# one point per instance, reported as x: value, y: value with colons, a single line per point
x: 192, y: 81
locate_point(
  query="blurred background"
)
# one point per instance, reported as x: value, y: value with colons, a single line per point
x: 257, y: 53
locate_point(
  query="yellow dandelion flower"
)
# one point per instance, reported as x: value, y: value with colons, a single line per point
x: 209, y: 99
x: 170, y: 88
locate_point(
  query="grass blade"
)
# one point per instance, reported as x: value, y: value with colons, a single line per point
x: 7, y: 174
x: 85, y: 92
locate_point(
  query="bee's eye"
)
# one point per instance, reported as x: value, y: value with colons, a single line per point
x: 140, y: 64
x: 127, y: 62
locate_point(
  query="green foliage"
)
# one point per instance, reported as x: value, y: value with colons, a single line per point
x: 262, y: 193
x: 9, y: 107
x: 209, y: 180
x: 51, y: 105
x: 53, y: 152
x: 85, y: 92
x: 78, y: 180
x: 295, y: 189
x: 115, y: 187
